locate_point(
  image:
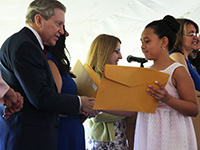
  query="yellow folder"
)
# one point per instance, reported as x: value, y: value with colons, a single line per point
x: 86, y: 79
x: 124, y: 88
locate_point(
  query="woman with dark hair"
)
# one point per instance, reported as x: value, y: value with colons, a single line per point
x: 170, y: 127
x: 70, y: 130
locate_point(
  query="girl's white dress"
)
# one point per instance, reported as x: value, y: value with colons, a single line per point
x: 166, y: 129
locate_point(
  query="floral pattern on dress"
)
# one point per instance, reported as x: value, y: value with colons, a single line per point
x: 119, y: 144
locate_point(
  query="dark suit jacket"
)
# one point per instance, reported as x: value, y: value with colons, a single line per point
x: 25, y: 68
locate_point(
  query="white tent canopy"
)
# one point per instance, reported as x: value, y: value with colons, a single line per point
x: 86, y: 19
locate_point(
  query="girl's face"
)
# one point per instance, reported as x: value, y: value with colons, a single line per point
x: 116, y: 55
x: 151, y: 44
x: 190, y: 39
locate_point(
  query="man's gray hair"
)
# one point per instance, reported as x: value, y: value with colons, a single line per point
x: 43, y: 7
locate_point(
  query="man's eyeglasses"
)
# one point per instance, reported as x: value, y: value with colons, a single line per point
x: 117, y: 52
x: 193, y: 34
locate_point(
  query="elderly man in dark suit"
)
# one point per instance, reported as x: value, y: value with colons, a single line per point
x: 25, y: 68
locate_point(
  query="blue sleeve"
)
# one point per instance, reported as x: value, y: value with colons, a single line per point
x: 194, y: 74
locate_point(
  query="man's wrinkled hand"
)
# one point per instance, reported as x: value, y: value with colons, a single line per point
x: 87, y: 104
x: 13, y: 102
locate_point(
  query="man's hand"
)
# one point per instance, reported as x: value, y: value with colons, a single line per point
x: 10, y: 98
x: 87, y: 104
x: 13, y: 102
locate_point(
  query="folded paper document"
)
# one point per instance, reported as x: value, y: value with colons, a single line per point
x: 86, y: 79
x: 125, y: 89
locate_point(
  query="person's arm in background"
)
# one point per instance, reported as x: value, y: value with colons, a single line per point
x: 120, y: 113
x: 9, y: 101
x: 9, y: 98
x: 178, y: 57
x: 4, y: 88
x: 106, y: 117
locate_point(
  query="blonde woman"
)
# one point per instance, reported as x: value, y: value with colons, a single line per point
x: 105, y: 131
x: 187, y: 44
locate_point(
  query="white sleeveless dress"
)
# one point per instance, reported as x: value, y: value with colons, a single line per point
x: 166, y: 129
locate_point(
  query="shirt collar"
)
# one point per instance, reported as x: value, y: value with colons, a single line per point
x: 37, y: 36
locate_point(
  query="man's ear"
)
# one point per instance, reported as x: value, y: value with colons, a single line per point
x: 38, y: 20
